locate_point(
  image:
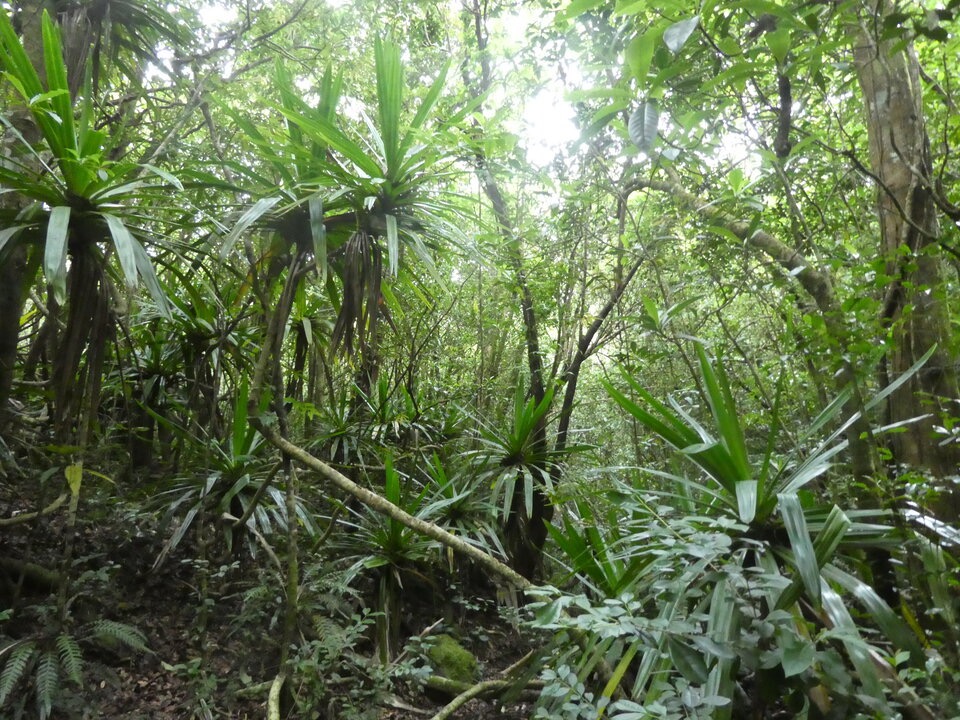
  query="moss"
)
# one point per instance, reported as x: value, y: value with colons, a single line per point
x: 450, y: 659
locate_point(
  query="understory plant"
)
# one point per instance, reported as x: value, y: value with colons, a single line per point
x: 42, y: 664
x: 728, y: 588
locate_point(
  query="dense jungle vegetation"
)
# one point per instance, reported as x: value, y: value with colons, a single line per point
x: 522, y: 359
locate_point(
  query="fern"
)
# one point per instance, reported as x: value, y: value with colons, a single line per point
x: 71, y: 659
x: 15, y: 666
x: 110, y: 631
x: 47, y: 682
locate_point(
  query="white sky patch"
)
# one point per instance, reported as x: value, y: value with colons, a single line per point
x: 215, y: 14
x: 547, y: 126
x: 734, y: 150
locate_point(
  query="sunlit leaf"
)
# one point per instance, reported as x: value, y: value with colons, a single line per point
x: 318, y: 233
x: 254, y: 213
x: 55, y: 251
x: 393, y: 244
x: 676, y: 36
x: 123, y: 243
x: 803, y: 553
x: 639, y: 55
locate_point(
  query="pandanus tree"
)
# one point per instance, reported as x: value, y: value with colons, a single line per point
x: 81, y: 220
x: 337, y: 205
x: 350, y: 204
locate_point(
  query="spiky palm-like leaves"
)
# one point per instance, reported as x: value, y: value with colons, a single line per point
x: 354, y: 200
x: 76, y: 202
x: 735, y: 548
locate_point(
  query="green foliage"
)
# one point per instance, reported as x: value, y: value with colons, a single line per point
x: 51, y: 657
x: 723, y: 559
x: 19, y: 655
x: 330, y: 669
x: 112, y: 633
x: 86, y: 189
x: 517, y: 459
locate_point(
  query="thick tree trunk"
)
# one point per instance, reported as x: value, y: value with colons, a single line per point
x: 915, y: 308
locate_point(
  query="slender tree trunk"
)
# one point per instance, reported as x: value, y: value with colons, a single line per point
x: 12, y: 272
x: 915, y: 307
x: 14, y: 264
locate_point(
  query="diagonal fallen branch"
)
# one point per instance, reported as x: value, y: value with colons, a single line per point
x: 385, y: 507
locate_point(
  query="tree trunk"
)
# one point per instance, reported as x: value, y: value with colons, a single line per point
x: 915, y: 309
x: 14, y: 264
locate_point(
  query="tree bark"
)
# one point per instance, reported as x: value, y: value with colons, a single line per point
x: 915, y: 309
x: 13, y: 265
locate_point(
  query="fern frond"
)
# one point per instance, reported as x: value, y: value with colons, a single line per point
x: 15, y: 666
x: 111, y: 631
x: 47, y: 682
x: 71, y: 658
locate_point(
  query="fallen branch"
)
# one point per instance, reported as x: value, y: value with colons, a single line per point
x: 487, y: 687
x: 273, y: 700
x: 27, y: 517
x: 383, y: 506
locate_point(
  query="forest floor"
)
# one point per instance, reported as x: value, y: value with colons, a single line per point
x: 217, y: 662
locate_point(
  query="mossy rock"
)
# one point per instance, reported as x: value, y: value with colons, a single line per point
x: 450, y: 659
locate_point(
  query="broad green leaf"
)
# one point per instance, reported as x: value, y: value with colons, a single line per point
x: 390, y: 84
x: 164, y: 175
x: 61, y: 101
x: 149, y: 277
x: 8, y: 233
x: 886, y: 619
x: 676, y: 36
x: 599, y: 93
x: 803, y: 552
x: 423, y: 111
x: 55, y: 251
x: 74, y: 475
x: 797, y: 653
x: 831, y: 535
x: 779, y: 43
x: 690, y: 662
x: 725, y: 413
x: 845, y: 629
x: 578, y: 7
x: 323, y: 130
x: 747, y: 500
x: 939, y: 580
x: 393, y: 244
x: 722, y: 627
x: 16, y: 62
x: 639, y: 54
x: 642, y: 125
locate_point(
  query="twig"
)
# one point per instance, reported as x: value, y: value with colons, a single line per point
x: 27, y: 517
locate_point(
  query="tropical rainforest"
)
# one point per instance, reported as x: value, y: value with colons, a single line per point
x: 487, y: 358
